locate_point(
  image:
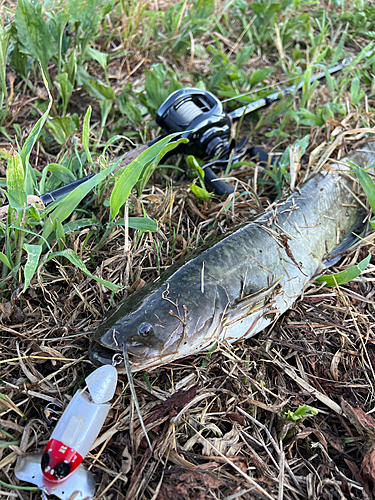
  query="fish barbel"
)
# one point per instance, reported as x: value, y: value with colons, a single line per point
x: 243, y: 282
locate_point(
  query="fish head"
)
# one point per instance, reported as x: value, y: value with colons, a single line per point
x: 156, y: 326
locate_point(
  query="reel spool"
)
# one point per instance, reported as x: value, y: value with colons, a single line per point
x: 200, y: 116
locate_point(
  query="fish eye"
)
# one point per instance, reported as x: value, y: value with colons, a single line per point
x: 145, y: 330
x: 45, y: 461
x: 62, y: 469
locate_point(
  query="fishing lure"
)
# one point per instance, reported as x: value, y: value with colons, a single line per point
x: 58, y: 469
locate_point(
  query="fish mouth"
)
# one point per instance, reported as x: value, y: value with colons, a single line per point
x: 103, y: 355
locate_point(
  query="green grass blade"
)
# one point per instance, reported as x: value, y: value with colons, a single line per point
x: 25, y: 230
x: 140, y: 223
x: 79, y: 224
x: 86, y: 133
x: 131, y: 174
x: 366, y: 182
x: 78, y: 262
x: 61, y: 173
x: 33, y: 255
x: 29, y: 144
x: 4, y: 259
x: 68, y: 204
x: 4, y: 44
x: 347, y: 275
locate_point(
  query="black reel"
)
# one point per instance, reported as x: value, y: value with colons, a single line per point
x: 200, y: 116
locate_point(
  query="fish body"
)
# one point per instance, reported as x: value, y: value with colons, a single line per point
x: 243, y: 282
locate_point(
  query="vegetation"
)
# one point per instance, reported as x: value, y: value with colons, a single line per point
x: 80, y: 83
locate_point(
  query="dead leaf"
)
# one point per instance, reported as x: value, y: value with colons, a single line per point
x: 11, y: 313
x: 236, y: 417
x: 309, y: 430
x: 126, y: 461
x: 335, y: 441
x: 354, y: 469
x: 368, y: 470
x: 334, y: 368
x: 190, y: 484
x: 169, y: 408
x: 365, y: 424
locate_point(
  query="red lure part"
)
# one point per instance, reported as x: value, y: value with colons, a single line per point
x: 59, y: 461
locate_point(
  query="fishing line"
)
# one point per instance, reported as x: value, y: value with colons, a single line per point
x: 132, y: 390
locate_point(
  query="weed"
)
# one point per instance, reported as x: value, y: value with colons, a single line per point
x: 300, y: 414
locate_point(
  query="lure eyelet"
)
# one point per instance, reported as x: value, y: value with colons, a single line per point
x: 145, y: 330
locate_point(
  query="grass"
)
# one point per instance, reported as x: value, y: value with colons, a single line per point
x: 80, y: 87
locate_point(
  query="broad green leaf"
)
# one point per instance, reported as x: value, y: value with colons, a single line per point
x: 61, y: 173
x: 62, y: 128
x: 105, y: 107
x: 83, y: 13
x: 78, y: 224
x: 19, y: 61
x: 86, y: 133
x: 33, y: 255
x: 66, y: 206
x: 194, y: 166
x: 244, y: 55
x: 200, y: 192
x: 366, y: 182
x: 99, y: 90
x: 100, y: 57
x: 33, y: 33
x: 13, y: 202
x: 16, y: 180
x: 301, y: 144
x: 71, y: 67
x: 355, y: 93
x: 259, y: 75
x: 140, y: 223
x: 156, y: 94
x: 149, y: 169
x: 309, y: 118
x: 204, y: 9
x: 131, y: 174
x: 93, y: 86
x: 78, y: 262
x: 347, y: 275
x: 59, y: 19
x: 302, y: 412
x: 4, y: 43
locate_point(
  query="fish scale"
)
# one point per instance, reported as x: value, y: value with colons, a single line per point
x: 241, y: 283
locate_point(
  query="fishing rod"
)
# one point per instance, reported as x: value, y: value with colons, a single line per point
x: 199, y: 116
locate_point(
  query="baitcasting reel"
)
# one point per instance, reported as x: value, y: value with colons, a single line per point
x: 200, y: 116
